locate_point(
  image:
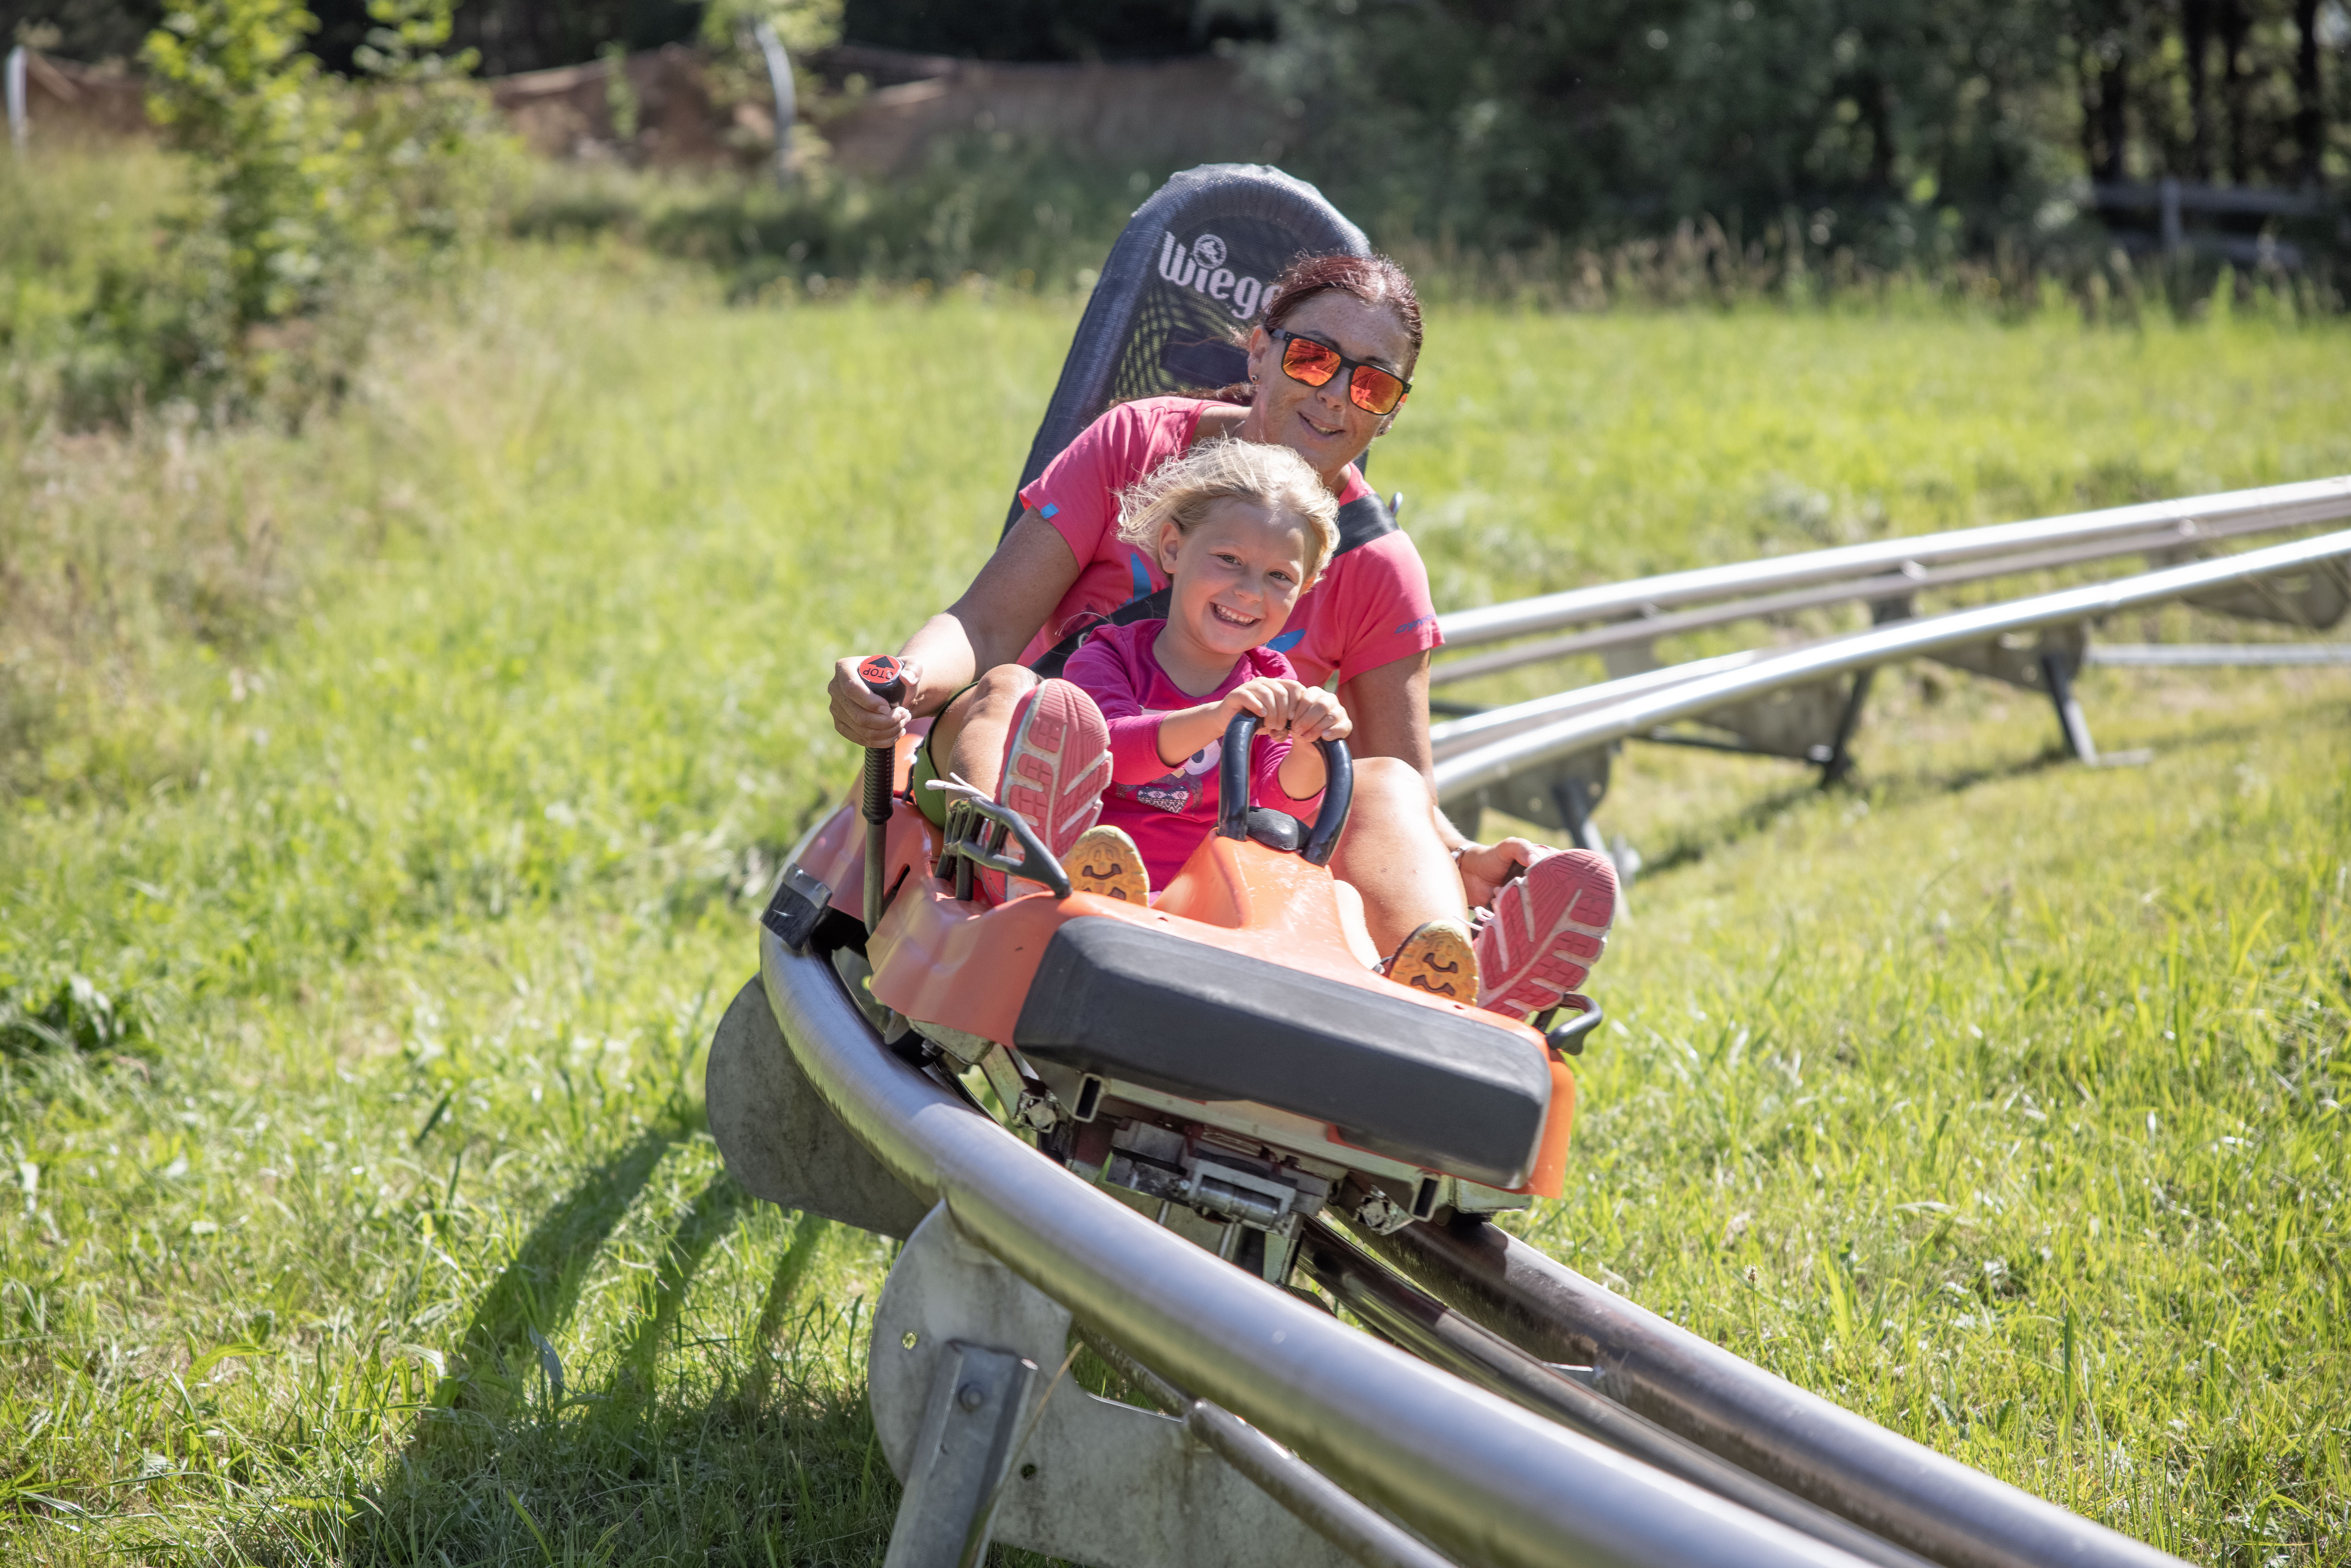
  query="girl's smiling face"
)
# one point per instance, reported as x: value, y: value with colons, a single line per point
x: 1233, y: 582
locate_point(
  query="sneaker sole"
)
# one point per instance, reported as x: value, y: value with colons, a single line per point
x: 1105, y: 862
x: 1438, y: 959
x: 1548, y: 930
x: 1057, y: 764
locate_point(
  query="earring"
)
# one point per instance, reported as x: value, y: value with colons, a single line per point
x: 1252, y: 378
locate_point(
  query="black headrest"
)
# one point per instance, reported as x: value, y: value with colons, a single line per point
x: 1195, y: 263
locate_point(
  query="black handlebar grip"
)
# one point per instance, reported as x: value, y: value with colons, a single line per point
x: 1338, y: 799
x: 1233, y: 777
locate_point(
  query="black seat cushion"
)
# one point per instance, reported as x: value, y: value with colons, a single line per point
x: 1427, y: 1086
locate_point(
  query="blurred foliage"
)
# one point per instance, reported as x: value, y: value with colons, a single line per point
x: 75, y: 1016
x: 1903, y: 128
x: 1058, y: 29
x: 1909, y: 132
x: 264, y: 244
x: 800, y: 25
x: 509, y: 35
x: 306, y: 204
x: 435, y: 167
x: 1660, y: 151
x: 1019, y: 211
x: 68, y: 218
x: 232, y: 88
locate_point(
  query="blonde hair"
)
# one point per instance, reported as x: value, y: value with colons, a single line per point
x: 1181, y: 491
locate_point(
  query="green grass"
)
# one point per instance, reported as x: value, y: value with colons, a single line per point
x: 359, y: 943
x: 1998, y: 1099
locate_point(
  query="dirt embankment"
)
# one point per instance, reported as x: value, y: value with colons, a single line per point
x: 62, y: 100
x: 880, y: 112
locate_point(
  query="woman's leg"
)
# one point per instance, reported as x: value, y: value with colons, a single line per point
x: 1391, y: 854
x: 969, y: 735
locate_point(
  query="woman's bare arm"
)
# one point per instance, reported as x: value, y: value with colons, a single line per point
x: 988, y: 626
x: 1390, y: 707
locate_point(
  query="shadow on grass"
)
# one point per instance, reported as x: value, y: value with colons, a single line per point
x: 776, y: 1463
x: 536, y: 1294
x: 1706, y: 839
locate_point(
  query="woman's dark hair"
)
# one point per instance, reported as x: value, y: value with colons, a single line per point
x: 1373, y: 279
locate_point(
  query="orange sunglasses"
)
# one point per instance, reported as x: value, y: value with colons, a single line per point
x: 1313, y: 363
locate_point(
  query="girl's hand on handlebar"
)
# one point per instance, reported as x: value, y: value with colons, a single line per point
x: 1317, y: 715
x: 863, y: 718
x: 1302, y: 712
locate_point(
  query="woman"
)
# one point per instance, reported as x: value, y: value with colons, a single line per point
x: 1329, y: 366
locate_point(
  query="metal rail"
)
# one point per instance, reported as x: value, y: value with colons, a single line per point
x: 1479, y: 1477
x: 1894, y: 588
x: 1577, y: 725
x: 2146, y: 655
x: 1901, y: 563
x: 1313, y: 1496
x: 1400, y: 1311
x: 1456, y: 737
x: 1899, y: 1490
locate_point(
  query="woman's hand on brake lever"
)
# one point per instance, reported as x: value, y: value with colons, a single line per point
x: 1487, y: 868
x: 863, y: 718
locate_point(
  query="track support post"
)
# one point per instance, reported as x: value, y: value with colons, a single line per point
x: 1839, y: 760
x: 961, y: 1455
x: 1572, y: 795
x: 2057, y: 675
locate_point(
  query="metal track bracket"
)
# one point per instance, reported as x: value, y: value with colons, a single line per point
x: 960, y: 1456
x: 1095, y: 1482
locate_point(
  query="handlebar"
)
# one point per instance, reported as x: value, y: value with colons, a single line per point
x: 1233, y: 791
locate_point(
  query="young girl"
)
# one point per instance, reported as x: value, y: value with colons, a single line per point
x: 1241, y: 529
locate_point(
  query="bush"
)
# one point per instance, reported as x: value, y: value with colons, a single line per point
x: 1909, y: 132
x: 308, y: 204
x: 68, y: 218
x: 266, y: 133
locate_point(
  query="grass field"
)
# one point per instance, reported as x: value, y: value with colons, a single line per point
x: 363, y: 914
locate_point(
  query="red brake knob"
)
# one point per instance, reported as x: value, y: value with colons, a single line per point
x: 884, y: 676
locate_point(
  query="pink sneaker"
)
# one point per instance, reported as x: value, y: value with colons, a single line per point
x: 1548, y: 929
x: 1056, y: 764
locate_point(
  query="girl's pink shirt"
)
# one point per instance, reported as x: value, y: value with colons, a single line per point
x: 1371, y: 607
x: 1169, y: 810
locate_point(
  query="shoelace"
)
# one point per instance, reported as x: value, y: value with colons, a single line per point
x: 957, y: 788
